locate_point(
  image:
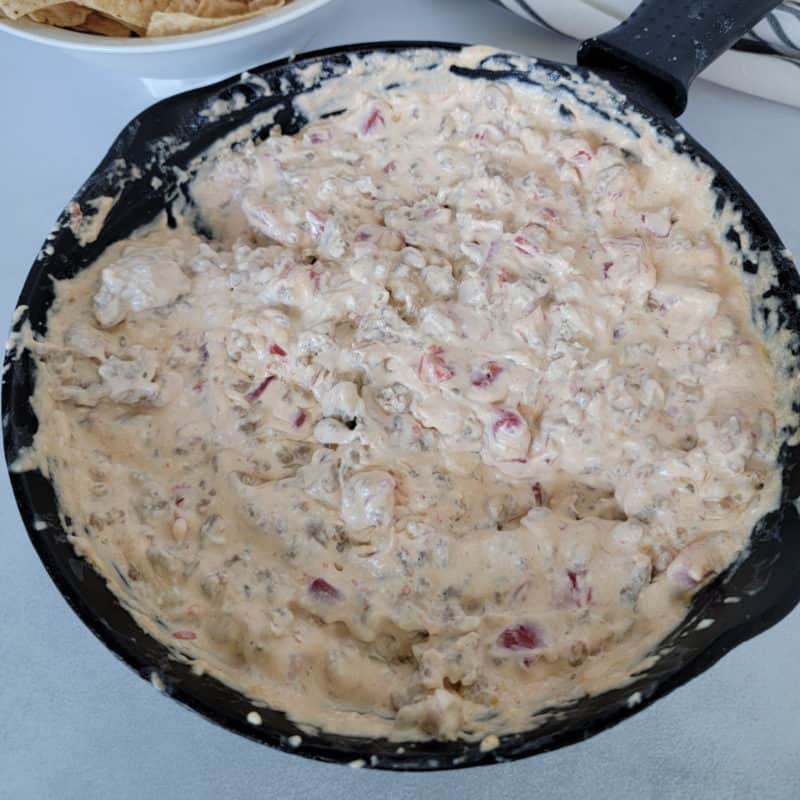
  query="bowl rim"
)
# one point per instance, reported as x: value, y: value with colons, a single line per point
x: 696, y: 647
x: 65, y: 39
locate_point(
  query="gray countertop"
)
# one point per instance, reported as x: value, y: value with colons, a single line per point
x: 75, y: 722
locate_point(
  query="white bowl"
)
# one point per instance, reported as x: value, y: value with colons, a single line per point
x: 203, y: 55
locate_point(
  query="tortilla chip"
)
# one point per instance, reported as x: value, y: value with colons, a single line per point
x: 165, y: 24
x: 14, y: 9
x: 62, y: 15
x: 219, y: 8
x: 105, y: 26
x: 132, y: 14
x: 170, y: 24
x: 208, y: 8
x: 123, y: 18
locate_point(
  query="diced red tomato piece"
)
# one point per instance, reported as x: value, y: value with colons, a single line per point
x: 319, y: 137
x: 374, y: 119
x: 506, y: 421
x: 254, y: 394
x: 580, y: 590
x: 433, y: 368
x: 316, y: 220
x: 525, y: 246
x: 321, y: 589
x: 522, y: 636
x: 487, y: 373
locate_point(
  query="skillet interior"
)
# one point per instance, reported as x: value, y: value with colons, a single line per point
x: 766, y: 580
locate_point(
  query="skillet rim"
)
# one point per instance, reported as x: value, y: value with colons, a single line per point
x: 228, y: 707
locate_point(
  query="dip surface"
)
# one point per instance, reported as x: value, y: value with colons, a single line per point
x: 441, y: 421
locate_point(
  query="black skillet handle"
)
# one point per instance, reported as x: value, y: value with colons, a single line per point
x: 665, y: 44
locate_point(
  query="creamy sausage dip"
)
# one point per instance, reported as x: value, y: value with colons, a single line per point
x: 423, y: 419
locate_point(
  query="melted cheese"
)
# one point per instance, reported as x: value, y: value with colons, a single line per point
x: 444, y: 424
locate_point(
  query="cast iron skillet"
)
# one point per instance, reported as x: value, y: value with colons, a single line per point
x: 653, y: 57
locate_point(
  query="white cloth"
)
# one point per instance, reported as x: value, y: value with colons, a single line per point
x: 773, y: 71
